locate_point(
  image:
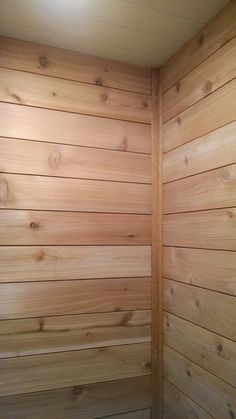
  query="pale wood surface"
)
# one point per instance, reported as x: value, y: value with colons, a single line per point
x: 177, y: 405
x: 48, y: 263
x: 49, y: 92
x: 46, y: 60
x: 53, y: 298
x: 209, y: 309
x: 44, y: 372
x: 37, y: 158
x: 212, y: 37
x: 41, y: 192
x: 216, y: 149
x: 64, y: 333
x: 47, y: 125
x: 211, y: 269
x: 213, y: 73
x: 208, y: 114
x: 83, y: 401
x: 19, y: 227
x: 213, y: 189
x: 211, y: 351
x: 139, y: 414
x: 213, y: 229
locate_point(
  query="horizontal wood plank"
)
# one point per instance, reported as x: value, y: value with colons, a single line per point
x: 214, y: 189
x: 54, y: 298
x: 211, y: 269
x: 68, y: 128
x: 25, y: 263
x: 138, y: 414
x: 52, y: 93
x: 214, y: 229
x: 47, y: 193
x: 177, y: 405
x: 216, y: 149
x: 210, y: 113
x: 46, y: 60
x: 85, y: 401
x: 18, y: 227
x: 213, y: 73
x: 211, y: 393
x: 209, y: 309
x: 75, y: 368
x: 30, y: 157
x: 212, y: 352
x: 213, y: 36
x: 66, y: 333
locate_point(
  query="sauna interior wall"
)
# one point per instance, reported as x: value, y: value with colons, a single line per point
x: 75, y: 235
x: 199, y: 224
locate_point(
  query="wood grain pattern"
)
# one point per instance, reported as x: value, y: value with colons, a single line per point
x: 44, y: 193
x: 210, y: 113
x: 216, y: 149
x: 214, y: 395
x: 177, y: 405
x: 66, y: 333
x: 54, y: 298
x: 213, y: 36
x: 83, y: 402
x: 46, y: 60
x: 211, y: 269
x: 213, y: 73
x: 214, y: 189
x: 40, y: 372
x: 68, y: 128
x: 30, y: 157
x: 212, y: 352
x: 214, y: 229
x: 138, y: 414
x: 48, y: 92
x: 27, y: 263
x: 209, y: 309
x: 18, y: 227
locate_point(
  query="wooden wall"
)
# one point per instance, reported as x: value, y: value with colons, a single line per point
x: 75, y: 235
x: 199, y: 224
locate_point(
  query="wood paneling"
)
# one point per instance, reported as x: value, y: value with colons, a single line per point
x: 177, y: 405
x: 212, y: 37
x: 212, y: 112
x: 38, y: 158
x: 68, y: 128
x: 40, y: 192
x: 44, y: 372
x: 214, y: 395
x: 18, y: 227
x: 214, y: 189
x: 139, y: 414
x: 209, y: 350
x: 65, y: 333
x: 49, y: 92
x: 27, y: 263
x: 42, y: 59
x: 84, y: 401
x: 216, y: 149
x: 35, y: 299
x: 211, y: 269
x: 213, y: 73
x: 209, y: 309
x: 215, y: 229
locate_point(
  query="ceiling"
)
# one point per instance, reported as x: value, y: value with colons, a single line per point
x: 145, y: 32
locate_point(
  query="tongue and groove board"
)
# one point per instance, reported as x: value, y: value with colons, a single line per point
x: 75, y: 235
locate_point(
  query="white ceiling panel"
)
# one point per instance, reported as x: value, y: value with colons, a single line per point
x: 145, y: 32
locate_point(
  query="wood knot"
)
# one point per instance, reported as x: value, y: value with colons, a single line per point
x: 148, y: 365
x: 220, y: 348
x: 34, y: 226
x: 144, y: 105
x: 188, y: 373
x: 77, y: 391
x: 43, y: 61
x: 186, y: 160
x: 178, y: 119
x: 131, y: 236
x: 178, y: 86
x: 172, y: 291
x: 99, y: 82
x: 40, y: 256
x: 124, y: 144
x: 54, y: 159
x: 226, y: 175
x: 54, y: 94
x: 41, y: 325
x: 4, y: 191
x: 229, y: 214
x: 197, y: 302
x: 103, y: 97
x: 126, y: 319
x: 201, y: 40
x: 208, y: 86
